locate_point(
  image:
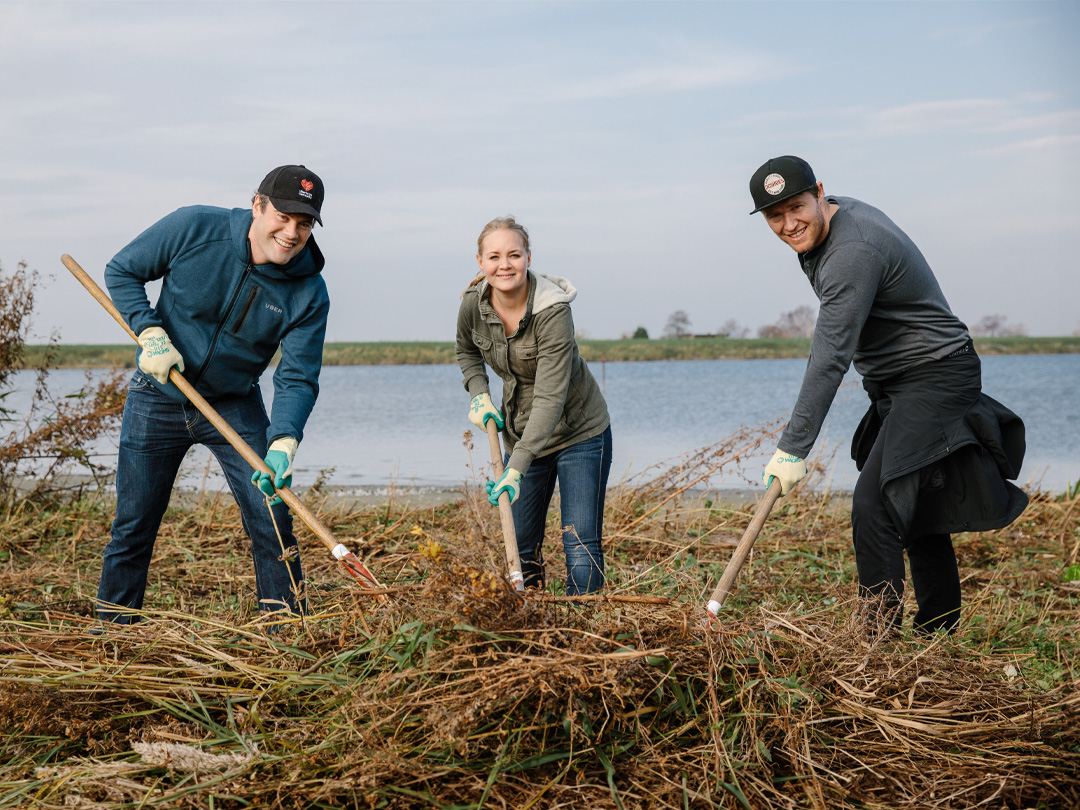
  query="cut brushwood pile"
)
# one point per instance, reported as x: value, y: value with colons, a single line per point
x: 461, y: 693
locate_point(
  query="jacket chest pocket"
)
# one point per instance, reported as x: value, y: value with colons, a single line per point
x: 523, y: 360
x: 487, y: 348
x: 245, y: 309
x: 258, y: 320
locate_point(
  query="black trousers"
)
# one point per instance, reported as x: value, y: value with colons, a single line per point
x: 879, y: 557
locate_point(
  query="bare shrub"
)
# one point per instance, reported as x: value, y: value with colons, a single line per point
x: 798, y: 323
x: 997, y: 326
x: 53, y: 435
x: 731, y: 328
x: 678, y: 324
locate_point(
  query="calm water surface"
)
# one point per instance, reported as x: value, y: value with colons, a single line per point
x: 406, y: 425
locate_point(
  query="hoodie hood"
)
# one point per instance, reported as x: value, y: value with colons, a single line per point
x: 551, y: 290
x: 308, y: 262
x: 544, y: 292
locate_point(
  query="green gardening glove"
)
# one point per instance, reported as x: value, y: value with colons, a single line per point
x: 481, y: 409
x: 279, y: 459
x: 510, y: 483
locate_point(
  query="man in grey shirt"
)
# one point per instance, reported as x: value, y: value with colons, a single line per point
x: 933, y: 451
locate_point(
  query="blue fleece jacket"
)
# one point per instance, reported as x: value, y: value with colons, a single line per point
x: 225, y: 315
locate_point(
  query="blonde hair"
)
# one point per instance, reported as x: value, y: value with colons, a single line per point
x: 507, y: 223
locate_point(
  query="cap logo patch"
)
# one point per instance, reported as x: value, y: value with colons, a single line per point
x: 307, y: 185
x: 774, y: 184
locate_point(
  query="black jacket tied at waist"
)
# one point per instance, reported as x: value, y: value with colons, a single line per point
x: 949, y: 449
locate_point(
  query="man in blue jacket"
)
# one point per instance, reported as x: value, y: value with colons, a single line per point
x: 235, y: 285
x: 934, y: 452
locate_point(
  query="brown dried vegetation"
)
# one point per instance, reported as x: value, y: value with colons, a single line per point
x: 459, y: 693
x: 52, y: 435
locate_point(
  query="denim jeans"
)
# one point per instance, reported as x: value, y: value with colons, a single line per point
x: 155, y: 435
x: 582, y: 473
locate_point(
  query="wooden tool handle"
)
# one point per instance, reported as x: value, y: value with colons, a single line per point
x: 339, y: 551
x: 513, y: 561
x: 742, y: 551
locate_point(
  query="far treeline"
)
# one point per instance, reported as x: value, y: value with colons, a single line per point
x: 627, y: 349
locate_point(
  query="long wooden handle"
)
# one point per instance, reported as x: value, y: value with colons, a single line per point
x: 513, y: 561
x: 352, y: 564
x: 742, y: 551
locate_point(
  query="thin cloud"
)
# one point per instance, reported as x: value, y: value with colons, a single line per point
x: 975, y: 115
x: 937, y: 116
x: 105, y: 32
x: 978, y: 34
x: 730, y: 70
x: 1037, y: 146
x: 1061, y: 121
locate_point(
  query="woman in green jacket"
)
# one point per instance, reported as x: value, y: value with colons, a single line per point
x: 555, y: 420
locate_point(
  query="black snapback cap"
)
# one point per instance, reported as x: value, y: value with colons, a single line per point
x: 294, y: 190
x: 780, y: 178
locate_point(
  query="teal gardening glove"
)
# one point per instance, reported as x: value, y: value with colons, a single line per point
x: 481, y: 409
x: 157, y: 354
x: 510, y: 483
x: 279, y: 459
x: 786, y: 468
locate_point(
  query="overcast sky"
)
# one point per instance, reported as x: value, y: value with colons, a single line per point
x: 623, y: 135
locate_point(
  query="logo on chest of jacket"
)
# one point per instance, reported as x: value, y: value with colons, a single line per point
x: 272, y: 308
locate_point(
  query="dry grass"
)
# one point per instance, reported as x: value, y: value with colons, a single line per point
x: 461, y: 694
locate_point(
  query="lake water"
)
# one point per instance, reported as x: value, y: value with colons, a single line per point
x: 376, y: 426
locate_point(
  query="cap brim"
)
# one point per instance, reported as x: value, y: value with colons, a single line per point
x: 294, y: 207
x: 781, y: 198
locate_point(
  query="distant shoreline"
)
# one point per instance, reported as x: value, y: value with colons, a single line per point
x: 625, y: 350
x: 413, y: 495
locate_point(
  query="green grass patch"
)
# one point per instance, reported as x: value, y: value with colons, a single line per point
x: 441, y: 352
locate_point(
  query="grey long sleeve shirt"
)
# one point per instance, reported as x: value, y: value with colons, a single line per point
x: 881, y: 308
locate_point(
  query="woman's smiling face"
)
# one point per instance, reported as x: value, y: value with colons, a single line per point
x: 504, y: 260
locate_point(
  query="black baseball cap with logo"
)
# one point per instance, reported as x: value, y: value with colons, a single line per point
x: 780, y: 178
x: 294, y: 190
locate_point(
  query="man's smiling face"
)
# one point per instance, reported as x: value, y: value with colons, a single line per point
x: 801, y: 221
x: 276, y: 237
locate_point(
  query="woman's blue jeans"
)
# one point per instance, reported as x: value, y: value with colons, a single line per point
x: 155, y: 435
x: 582, y: 473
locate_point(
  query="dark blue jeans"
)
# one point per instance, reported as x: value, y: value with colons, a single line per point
x: 155, y: 435
x: 582, y: 472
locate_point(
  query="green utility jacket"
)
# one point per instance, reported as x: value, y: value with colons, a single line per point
x: 550, y: 398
